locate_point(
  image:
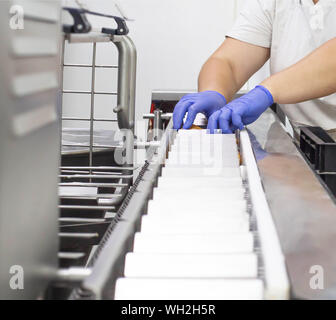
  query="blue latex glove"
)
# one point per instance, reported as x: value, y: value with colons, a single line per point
x: 241, y: 111
x: 206, y: 102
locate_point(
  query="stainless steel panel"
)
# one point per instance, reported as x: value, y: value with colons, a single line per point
x: 30, y: 146
x: 32, y: 46
x: 44, y: 10
x: 303, y: 211
x: 28, y: 84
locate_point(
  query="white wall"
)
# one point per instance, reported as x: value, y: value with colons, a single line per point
x: 173, y: 40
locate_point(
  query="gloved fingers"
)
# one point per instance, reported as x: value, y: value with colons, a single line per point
x: 225, y: 120
x: 237, y: 120
x: 213, y: 121
x: 250, y: 119
x: 179, y: 112
x: 193, y: 110
x: 233, y: 128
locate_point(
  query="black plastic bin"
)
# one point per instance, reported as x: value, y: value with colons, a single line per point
x: 320, y: 150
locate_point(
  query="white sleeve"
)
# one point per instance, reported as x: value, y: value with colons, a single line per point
x: 255, y: 23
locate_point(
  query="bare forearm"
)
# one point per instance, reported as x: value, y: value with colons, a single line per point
x: 312, y: 77
x: 217, y: 75
x: 231, y: 65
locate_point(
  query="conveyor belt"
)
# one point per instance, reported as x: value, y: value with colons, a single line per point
x: 198, y: 239
x: 202, y: 232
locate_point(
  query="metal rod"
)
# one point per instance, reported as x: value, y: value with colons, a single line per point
x: 87, y: 119
x: 88, y: 37
x: 107, y: 201
x: 86, y: 235
x: 61, y: 86
x: 164, y: 116
x: 106, y: 93
x: 94, y: 146
x: 98, y: 168
x: 146, y: 144
x: 73, y: 207
x: 71, y: 255
x: 126, y: 81
x: 93, y: 84
x: 82, y: 176
x: 90, y: 171
x: 83, y: 220
x: 102, y: 185
x: 72, y: 275
x: 90, y: 196
x: 90, y: 92
x: 74, y: 65
x: 158, y: 125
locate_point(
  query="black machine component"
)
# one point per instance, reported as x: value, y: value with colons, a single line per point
x: 82, y: 24
x: 320, y: 150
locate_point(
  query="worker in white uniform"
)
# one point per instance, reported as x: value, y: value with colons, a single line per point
x: 284, y: 31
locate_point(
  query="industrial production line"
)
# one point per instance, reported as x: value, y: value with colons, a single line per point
x: 205, y: 244
x: 145, y: 253
x: 194, y: 221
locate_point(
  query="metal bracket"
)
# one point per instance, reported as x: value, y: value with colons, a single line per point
x: 164, y: 116
x: 158, y: 118
x: 82, y: 25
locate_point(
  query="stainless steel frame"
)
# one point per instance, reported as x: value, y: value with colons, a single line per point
x: 126, y: 82
x: 112, y: 180
x: 29, y: 159
x: 125, y: 112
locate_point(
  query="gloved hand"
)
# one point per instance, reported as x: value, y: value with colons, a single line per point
x: 206, y: 102
x: 241, y: 111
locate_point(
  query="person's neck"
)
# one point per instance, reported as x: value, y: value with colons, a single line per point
x: 315, y: 1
